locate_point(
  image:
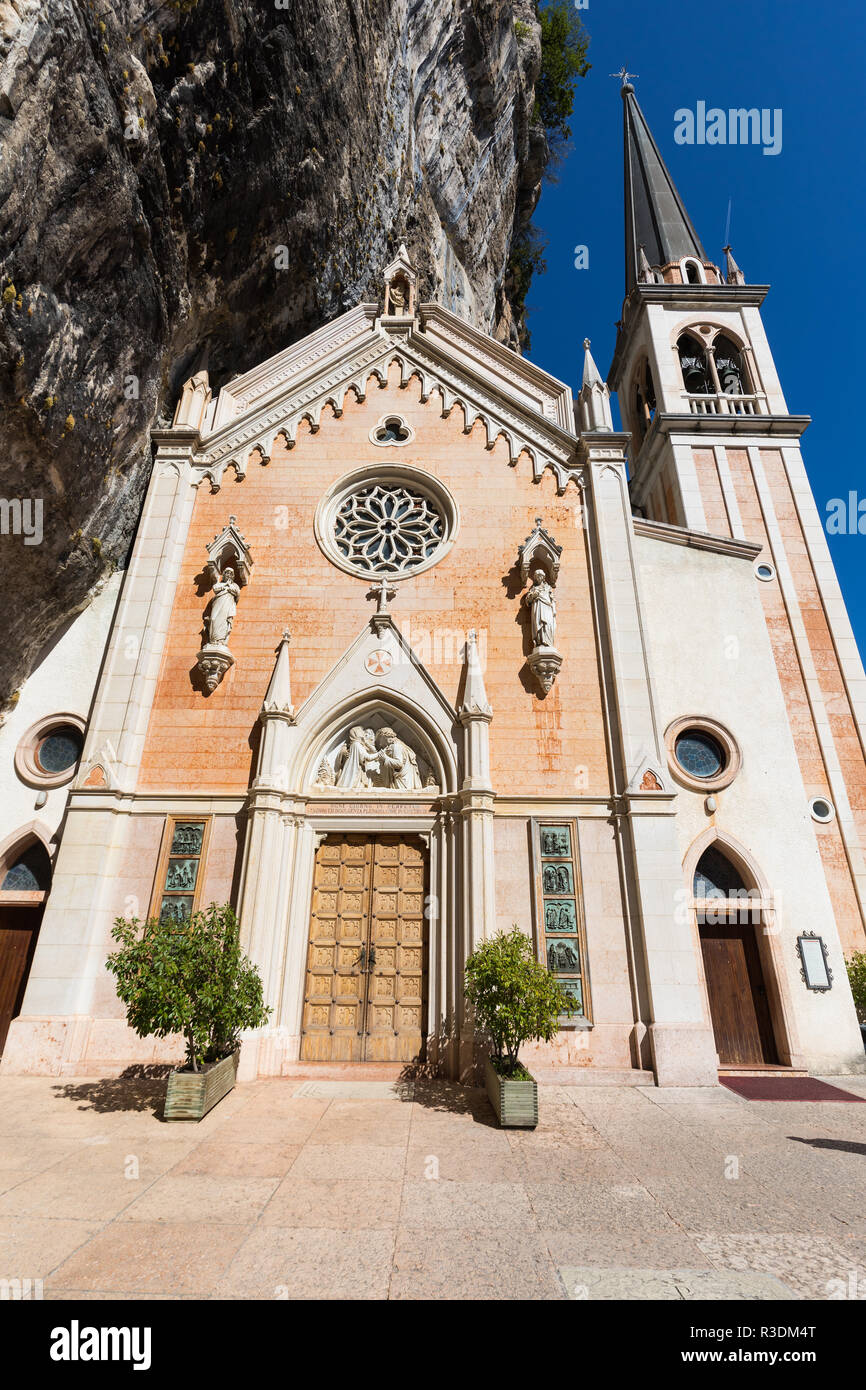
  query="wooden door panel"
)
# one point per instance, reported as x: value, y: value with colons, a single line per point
x: 397, y: 989
x: 332, y: 1021
x: 19, y: 928
x: 368, y: 894
x: 738, y: 1005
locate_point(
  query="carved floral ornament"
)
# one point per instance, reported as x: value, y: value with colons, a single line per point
x: 538, y: 560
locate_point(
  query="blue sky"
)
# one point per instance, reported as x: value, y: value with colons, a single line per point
x: 797, y: 218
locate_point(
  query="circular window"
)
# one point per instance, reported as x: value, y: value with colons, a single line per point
x: 59, y: 750
x: 702, y: 754
x: 699, y: 754
x: 765, y: 572
x: 386, y: 523
x: 821, y: 809
x: 49, y: 752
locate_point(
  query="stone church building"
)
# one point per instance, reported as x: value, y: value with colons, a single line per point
x: 415, y: 646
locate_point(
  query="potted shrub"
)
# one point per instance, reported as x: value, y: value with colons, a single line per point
x: 190, y: 977
x: 857, y: 975
x: 515, y: 1000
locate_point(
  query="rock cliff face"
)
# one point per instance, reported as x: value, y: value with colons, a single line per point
x: 229, y: 173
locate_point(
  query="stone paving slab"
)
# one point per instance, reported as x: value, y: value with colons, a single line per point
x: 363, y: 1190
x: 357, y: 1090
x: 589, y: 1283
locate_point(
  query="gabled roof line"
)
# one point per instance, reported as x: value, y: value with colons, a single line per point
x: 367, y: 350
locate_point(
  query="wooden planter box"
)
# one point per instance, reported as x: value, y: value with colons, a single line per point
x: 515, y: 1102
x: 191, y: 1094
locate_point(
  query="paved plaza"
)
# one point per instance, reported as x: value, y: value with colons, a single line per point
x: 309, y: 1189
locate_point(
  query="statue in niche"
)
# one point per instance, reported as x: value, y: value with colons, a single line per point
x: 356, y: 760
x: 398, y: 765
x: 542, y: 610
x: 223, y: 608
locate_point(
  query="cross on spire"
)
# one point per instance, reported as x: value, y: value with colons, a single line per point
x: 624, y: 75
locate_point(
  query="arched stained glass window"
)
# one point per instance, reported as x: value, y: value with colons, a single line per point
x: 716, y: 877
x: 29, y: 872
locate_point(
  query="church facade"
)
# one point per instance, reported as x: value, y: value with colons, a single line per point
x: 414, y: 646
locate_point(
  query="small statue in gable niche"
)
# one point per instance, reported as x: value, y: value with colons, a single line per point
x: 539, y: 600
x: 541, y: 603
x: 223, y: 608
x: 399, y: 296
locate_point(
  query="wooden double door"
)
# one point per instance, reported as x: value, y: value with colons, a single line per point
x: 365, y: 995
x: 739, y: 1008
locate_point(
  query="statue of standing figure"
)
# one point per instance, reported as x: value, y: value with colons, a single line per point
x: 223, y: 608
x: 397, y: 763
x: 356, y: 760
x: 542, y: 610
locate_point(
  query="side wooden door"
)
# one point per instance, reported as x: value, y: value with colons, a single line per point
x: 19, y: 928
x: 739, y: 1008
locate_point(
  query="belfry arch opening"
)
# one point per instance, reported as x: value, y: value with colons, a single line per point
x: 695, y: 367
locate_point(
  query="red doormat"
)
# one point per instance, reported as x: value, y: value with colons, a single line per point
x: 786, y: 1088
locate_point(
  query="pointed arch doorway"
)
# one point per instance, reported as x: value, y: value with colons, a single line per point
x: 365, y: 993
x: 25, y: 877
x: 729, y: 915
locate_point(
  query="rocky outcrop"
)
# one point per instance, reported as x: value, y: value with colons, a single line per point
x: 231, y: 174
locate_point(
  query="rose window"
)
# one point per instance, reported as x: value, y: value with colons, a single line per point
x: 388, y: 528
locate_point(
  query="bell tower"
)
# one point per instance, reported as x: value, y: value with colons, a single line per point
x: 715, y: 460
x: 692, y: 369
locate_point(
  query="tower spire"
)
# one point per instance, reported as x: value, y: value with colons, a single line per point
x: 733, y: 275
x: 655, y: 217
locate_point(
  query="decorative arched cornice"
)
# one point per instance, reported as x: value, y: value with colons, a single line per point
x: 279, y: 407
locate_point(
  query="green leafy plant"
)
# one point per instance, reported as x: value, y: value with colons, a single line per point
x: 857, y: 975
x: 564, y: 45
x: 188, y: 977
x: 527, y: 258
x: 514, y: 997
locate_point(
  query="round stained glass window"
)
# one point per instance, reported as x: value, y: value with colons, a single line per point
x: 60, y: 750
x: 699, y: 754
x: 388, y: 528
